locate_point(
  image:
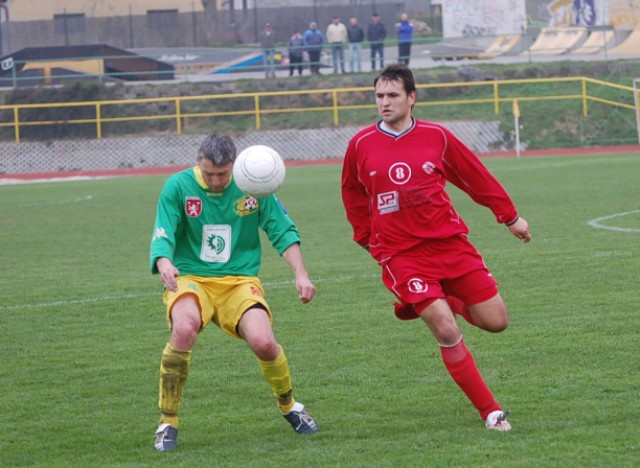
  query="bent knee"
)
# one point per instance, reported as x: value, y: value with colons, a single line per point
x: 497, y: 326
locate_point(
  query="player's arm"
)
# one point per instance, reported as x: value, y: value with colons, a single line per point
x: 520, y: 229
x: 465, y: 170
x: 163, y: 241
x: 355, y: 199
x: 293, y: 256
x: 168, y: 273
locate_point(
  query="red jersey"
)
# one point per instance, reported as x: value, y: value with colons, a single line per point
x: 393, y: 187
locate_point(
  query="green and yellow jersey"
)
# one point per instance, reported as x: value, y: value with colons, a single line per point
x: 205, y: 233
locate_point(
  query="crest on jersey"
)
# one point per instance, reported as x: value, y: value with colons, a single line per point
x: 246, y: 205
x: 193, y: 206
x: 428, y: 167
x: 417, y: 286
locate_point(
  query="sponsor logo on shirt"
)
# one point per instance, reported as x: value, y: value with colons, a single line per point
x: 216, y: 243
x: 193, y: 206
x: 388, y: 202
x: 246, y: 205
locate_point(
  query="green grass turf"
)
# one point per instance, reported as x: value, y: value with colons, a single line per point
x: 82, y: 329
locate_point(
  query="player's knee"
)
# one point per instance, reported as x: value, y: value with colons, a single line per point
x: 497, y: 323
x: 265, y: 348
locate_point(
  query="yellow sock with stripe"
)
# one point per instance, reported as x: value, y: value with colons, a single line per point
x: 278, y: 376
x: 174, y: 369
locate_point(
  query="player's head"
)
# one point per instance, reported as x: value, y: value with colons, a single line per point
x: 215, y: 159
x: 397, y: 72
x: 219, y: 149
x: 395, y: 95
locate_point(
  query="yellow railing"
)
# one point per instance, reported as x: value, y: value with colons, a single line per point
x: 498, y: 92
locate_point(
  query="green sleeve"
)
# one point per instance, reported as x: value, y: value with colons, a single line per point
x: 276, y: 223
x: 168, y: 216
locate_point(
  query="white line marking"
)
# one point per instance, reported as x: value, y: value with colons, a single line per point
x: 596, y: 223
x: 158, y: 294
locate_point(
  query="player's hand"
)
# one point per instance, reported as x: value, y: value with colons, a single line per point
x: 168, y: 273
x: 306, y: 289
x: 520, y: 229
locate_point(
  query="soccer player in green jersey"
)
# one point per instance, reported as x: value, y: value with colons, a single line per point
x: 206, y: 249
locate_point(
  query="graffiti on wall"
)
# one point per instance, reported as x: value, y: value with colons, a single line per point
x: 624, y: 14
x: 578, y: 13
x: 482, y: 17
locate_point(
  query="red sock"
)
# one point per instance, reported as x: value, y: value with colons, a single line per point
x: 459, y: 308
x: 462, y: 367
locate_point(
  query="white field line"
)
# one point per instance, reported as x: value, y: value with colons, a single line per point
x: 597, y: 223
x: 158, y: 294
x: 280, y: 283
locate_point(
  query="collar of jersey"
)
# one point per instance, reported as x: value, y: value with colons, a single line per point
x: 198, y: 175
x: 382, y: 126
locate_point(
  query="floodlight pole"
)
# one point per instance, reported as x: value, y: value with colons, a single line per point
x: 636, y: 102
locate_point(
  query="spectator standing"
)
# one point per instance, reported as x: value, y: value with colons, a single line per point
x: 296, y: 52
x: 376, y: 34
x: 337, y: 37
x: 313, y: 42
x: 355, y: 33
x: 268, y: 44
x: 405, y: 38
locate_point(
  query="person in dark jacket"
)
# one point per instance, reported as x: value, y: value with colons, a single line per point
x: 376, y: 34
x: 355, y: 33
x: 296, y: 52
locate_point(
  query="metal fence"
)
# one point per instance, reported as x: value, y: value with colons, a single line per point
x: 105, y: 146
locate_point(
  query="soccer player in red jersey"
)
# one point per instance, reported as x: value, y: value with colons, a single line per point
x: 393, y: 190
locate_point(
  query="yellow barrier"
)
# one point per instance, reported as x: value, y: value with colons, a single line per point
x: 496, y: 95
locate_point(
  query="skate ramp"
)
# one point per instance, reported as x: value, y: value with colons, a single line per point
x: 596, y: 41
x: 631, y: 45
x: 556, y: 41
x: 502, y: 44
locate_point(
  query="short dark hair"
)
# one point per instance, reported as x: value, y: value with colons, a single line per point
x: 217, y: 148
x: 397, y: 72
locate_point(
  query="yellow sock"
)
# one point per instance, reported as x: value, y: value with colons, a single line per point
x: 286, y: 408
x: 174, y: 369
x: 277, y: 375
x: 169, y: 420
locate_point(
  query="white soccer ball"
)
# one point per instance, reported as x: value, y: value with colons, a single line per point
x: 259, y: 171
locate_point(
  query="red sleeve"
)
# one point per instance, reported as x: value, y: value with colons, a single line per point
x: 464, y: 170
x: 355, y: 197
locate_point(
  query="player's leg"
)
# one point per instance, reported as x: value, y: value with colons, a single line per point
x: 256, y: 328
x: 185, y: 320
x: 474, y: 296
x: 457, y: 358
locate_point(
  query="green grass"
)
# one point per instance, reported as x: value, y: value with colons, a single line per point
x: 82, y: 329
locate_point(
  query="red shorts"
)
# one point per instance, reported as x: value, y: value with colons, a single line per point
x: 439, y: 268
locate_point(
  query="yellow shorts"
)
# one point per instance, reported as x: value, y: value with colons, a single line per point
x: 223, y: 300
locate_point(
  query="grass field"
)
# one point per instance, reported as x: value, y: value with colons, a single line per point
x: 82, y: 330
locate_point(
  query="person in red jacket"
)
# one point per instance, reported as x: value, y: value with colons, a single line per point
x: 393, y: 190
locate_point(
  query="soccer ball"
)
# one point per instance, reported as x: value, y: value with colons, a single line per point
x: 259, y: 171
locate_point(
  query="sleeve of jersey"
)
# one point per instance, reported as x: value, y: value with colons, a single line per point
x: 167, y: 219
x: 276, y: 223
x: 465, y: 170
x: 355, y: 198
